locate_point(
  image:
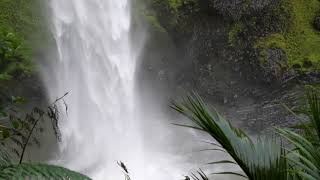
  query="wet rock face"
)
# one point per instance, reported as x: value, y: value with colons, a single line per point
x: 274, y: 64
x: 205, y: 57
x: 317, y: 23
x: 237, y: 8
x: 199, y: 56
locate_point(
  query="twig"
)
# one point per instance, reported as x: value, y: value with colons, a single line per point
x: 58, y: 99
x: 28, y: 139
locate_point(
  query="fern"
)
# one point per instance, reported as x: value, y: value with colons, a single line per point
x: 33, y: 171
x: 20, y: 132
x: 39, y: 171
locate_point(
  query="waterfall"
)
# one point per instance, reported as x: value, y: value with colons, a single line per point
x: 96, y: 65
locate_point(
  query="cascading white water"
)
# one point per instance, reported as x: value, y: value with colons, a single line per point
x: 96, y: 65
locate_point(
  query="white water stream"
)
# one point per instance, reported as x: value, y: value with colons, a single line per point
x: 96, y: 64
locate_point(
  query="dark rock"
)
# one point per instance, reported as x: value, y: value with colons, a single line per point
x: 307, y: 64
x: 274, y: 64
x: 237, y: 8
x: 296, y: 66
x: 310, y: 78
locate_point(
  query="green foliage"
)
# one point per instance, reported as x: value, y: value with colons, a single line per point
x: 300, y: 41
x: 38, y: 171
x: 236, y: 29
x: 21, y: 132
x: 314, y: 111
x: 152, y: 19
x: 142, y: 12
x: 264, y: 159
x: 173, y: 13
x: 14, y: 56
x: 24, y: 131
x: 23, y: 35
x: 305, y: 157
x: 5, y: 158
x: 11, y: 171
x: 27, y: 19
x: 311, y: 109
x: 174, y: 4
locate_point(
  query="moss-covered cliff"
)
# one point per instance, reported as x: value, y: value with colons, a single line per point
x: 266, y: 40
x: 300, y: 40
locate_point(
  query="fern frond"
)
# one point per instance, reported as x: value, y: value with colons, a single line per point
x: 39, y: 171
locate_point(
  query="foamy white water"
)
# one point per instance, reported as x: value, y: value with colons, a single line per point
x: 96, y: 64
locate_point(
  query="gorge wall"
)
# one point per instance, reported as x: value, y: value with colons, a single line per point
x: 243, y: 56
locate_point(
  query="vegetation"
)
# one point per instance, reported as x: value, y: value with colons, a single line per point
x: 23, y: 33
x: 37, y: 171
x: 14, y: 56
x: 300, y: 40
x: 26, y: 20
x: 20, y: 134
x: 265, y: 158
x: 235, y: 31
x: 174, y: 11
x: 174, y: 4
x: 305, y: 157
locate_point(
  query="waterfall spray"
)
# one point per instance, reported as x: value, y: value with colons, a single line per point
x: 96, y: 64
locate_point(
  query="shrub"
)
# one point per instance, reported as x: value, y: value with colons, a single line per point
x: 14, y: 56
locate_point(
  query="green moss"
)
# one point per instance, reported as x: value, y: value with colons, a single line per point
x: 247, y: 4
x: 300, y: 41
x: 155, y: 23
x: 236, y: 29
x: 174, y: 12
x: 143, y: 13
x: 174, y: 4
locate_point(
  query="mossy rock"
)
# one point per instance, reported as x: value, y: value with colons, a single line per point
x: 274, y: 64
x: 172, y: 14
x: 236, y: 9
x: 300, y: 41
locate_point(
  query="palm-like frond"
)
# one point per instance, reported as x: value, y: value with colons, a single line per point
x: 199, y: 176
x: 262, y: 160
x: 314, y: 111
x: 39, y: 171
x: 305, y: 157
x: 5, y: 158
x: 310, y: 129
